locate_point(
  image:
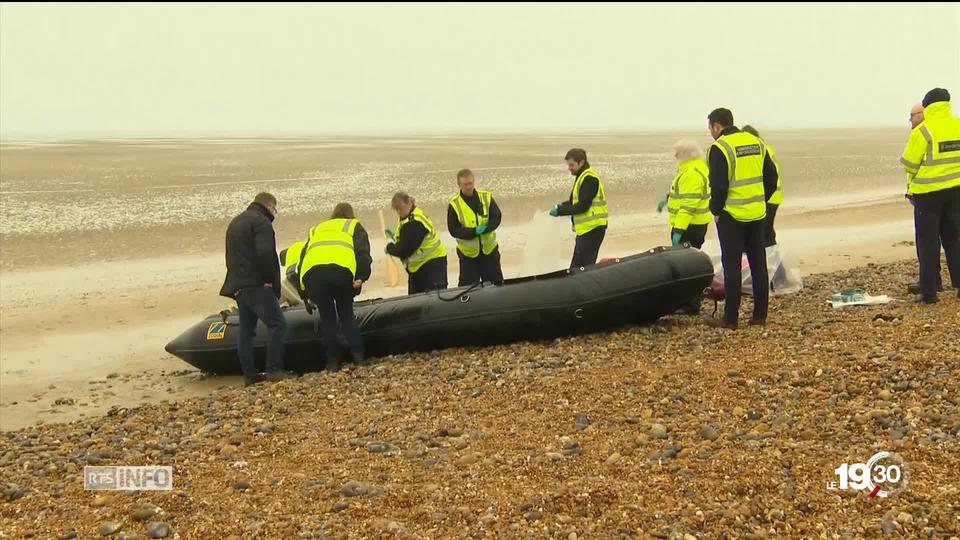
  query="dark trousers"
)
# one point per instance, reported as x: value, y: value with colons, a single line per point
x: 587, y: 247
x: 771, y: 233
x: 737, y: 237
x: 695, y: 235
x: 253, y: 304
x: 936, y: 218
x: 429, y: 277
x: 330, y: 288
x: 480, y: 269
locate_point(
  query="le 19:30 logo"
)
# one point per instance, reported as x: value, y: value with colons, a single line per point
x: 884, y: 475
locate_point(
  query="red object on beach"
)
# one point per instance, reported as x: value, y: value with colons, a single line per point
x: 717, y: 291
x: 606, y: 260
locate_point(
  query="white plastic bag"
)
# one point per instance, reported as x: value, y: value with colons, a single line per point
x: 783, y: 278
x: 543, y: 252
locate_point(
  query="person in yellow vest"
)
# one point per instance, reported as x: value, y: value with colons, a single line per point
x: 774, y: 203
x: 688, y: 204
x: 334, y: 262
x: 417, y: 245
x: 587, y: 208
x: 932, y: 161
x: 688, y: 201
x: 290, y: 286
x: 472, y: 218
x: 743, y: 177
x: 950, y: 249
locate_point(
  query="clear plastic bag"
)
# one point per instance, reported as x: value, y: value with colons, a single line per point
x: 784, y: 278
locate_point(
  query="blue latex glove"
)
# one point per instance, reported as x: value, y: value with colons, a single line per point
x: 661, y: 202
x: 481, y: 228
x: 675, y: 238
x: 389, y: 233
x: 555, y: 211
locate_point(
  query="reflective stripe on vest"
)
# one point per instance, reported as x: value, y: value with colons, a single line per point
x: 746, y: 200
x: 940, y: 168
x: 468, y: 218
x: 777, y: 197
x: 431, y: 247
x: 597, y: 214
x: 695, y: 203
x: 330, y: 242
x: 291, y: 257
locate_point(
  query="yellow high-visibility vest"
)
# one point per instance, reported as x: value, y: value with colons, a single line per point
x: 330, y: 242
x: 596, y: 215
x: 746, y: 200
x: 932, y: 155
x: 431, y: 248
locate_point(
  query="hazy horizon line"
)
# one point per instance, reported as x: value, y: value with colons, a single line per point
x: 294, y: 134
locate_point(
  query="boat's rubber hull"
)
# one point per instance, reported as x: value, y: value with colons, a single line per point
x: 635, y: 289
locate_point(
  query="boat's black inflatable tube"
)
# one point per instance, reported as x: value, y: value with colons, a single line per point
x: 636, y: 289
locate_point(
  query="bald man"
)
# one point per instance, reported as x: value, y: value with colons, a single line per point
x: 951, y: 250
x: 916, y: 114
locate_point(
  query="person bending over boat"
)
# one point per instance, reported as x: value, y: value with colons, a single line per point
x: 587, y: 208
x: 416, y: 244
x: 333, y: 264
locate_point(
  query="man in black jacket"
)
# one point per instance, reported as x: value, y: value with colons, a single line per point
x: 587, y: 208
x: 253, y: 280
x: 472, y: 218
x: 740, y: 220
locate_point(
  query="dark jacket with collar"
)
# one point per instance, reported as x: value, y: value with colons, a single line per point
x: 251, y: 252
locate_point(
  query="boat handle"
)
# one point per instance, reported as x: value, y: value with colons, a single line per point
x: 465, y: 298
x: 578, y: 313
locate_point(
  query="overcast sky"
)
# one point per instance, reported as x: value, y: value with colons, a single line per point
x: 68, y: 70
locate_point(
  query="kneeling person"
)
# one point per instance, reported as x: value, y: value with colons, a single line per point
x: 334, y: 262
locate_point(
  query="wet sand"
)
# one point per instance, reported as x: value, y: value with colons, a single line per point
x: 136, y: 233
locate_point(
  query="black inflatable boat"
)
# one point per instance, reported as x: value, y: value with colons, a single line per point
x: 635, y: 289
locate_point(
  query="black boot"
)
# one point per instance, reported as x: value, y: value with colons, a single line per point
x: 691, y: 308
x: 359, y: 360
x: 914, y: 288
x: 333, y: 364
x: 250, y: 381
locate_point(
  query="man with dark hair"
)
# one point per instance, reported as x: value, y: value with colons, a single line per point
x: 253, y: 280
x: 472, y: 218
x: 587, y: 208
x: 932, y: 161
x: 743, y: 177
x: 774, y: 203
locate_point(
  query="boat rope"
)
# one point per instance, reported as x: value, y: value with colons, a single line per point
x: 462, y: 296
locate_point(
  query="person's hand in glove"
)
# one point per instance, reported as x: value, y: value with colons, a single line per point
x: 661, y: 202
x: 389, y: 233
x: 555, y: 211
x: 481, y: 228
x: 675, y: 238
